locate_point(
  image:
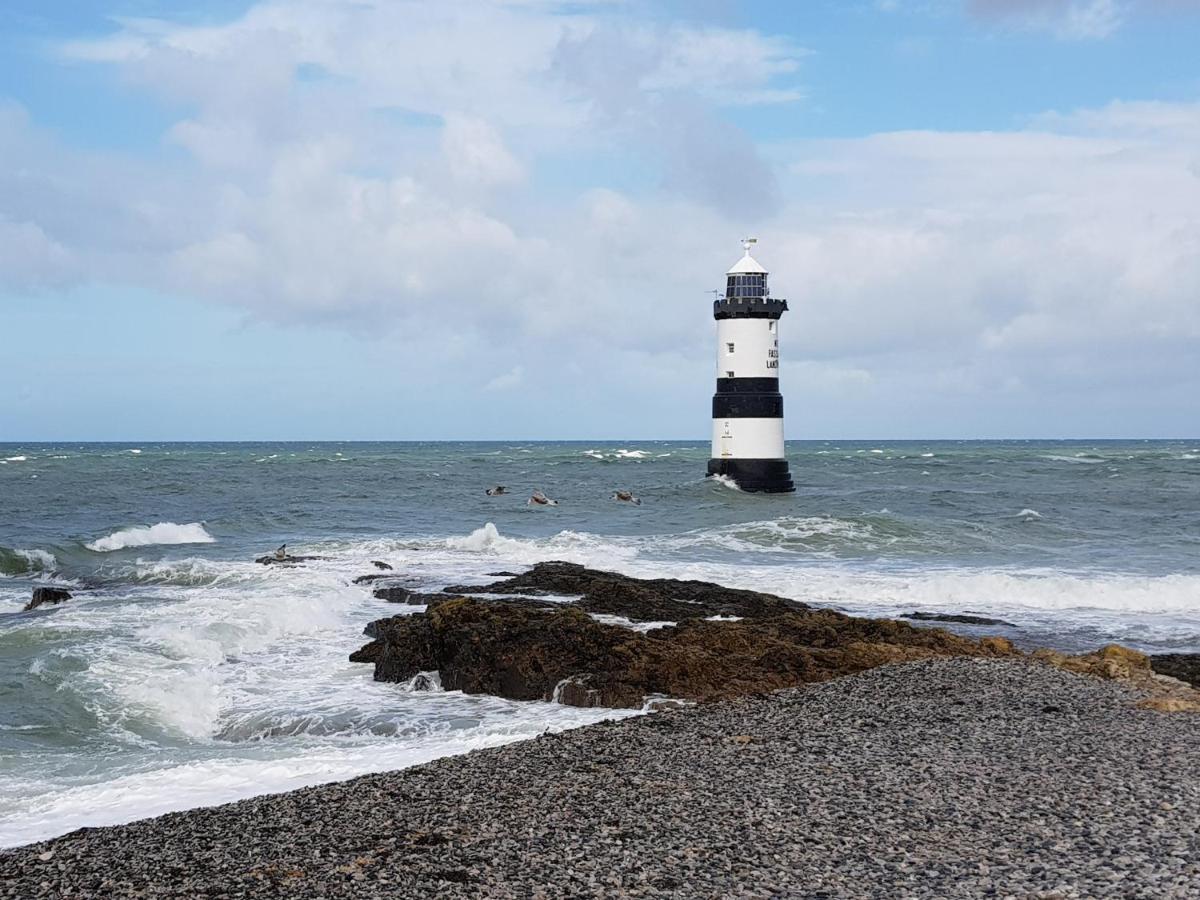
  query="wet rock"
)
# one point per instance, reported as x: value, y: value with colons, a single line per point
x: 1184, y: 666
x: 527, y: 653
x: 42, y: 595
x: 404, y: 595
x: 286, y: 560
x: 959, y: 618
x: 381, y: 565
x: 375, y: 576
x: 637, y: 599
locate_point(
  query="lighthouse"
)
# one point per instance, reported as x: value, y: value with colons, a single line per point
x: 747, y: 409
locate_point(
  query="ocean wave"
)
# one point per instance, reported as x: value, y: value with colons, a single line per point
x: 621, y: 453
x: 1086, y: 459
x: 18, y: 561
x: 143, y: 536
x: 9, y: 459
x: 725, y: 481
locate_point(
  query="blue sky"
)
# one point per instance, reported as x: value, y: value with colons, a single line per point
x: 350, y: 220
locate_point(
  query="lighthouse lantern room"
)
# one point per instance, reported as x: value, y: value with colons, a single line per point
x: 747, y: 436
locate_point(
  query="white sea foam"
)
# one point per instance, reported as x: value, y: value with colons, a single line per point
x: 16, y: 458
x: 726, y: 481
x: 135, y: 451
x: 1079, y: 459
x: 624, y: 622
x: 142, y: 536
x: 1029, y: 515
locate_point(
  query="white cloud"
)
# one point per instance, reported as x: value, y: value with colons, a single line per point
x: 507, y: 381
x: 1072, y: 20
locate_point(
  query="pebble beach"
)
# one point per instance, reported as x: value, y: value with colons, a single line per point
x: 943, y: 778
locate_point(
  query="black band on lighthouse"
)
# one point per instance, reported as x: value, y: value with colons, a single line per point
x: 747, y: 406
x: 747, y: 385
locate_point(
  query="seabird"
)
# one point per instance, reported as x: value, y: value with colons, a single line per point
x: 541, y: 499
x: 626, y: 497
x: 281, y: 553
x: 496, y: 491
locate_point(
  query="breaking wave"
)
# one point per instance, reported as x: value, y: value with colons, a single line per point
x: 144, y: 536
x: 17, y: 561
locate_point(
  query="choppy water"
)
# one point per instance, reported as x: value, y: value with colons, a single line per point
x: 183, y: 674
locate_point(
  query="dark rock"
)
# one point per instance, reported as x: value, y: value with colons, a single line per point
x: 1184, y: 666
x: 960, y: 618
x: 512, y: 650
x: 404, y: 595
x: 47, y: 595
x: 381, y: 565
x: 502, y: 574
x: 286, y: 560
x: 376, y: 576
x: 637, y: 599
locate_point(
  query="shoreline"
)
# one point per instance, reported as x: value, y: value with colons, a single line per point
x: 945, y: 777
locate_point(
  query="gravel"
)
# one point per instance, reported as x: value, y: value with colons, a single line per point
x: 946, y: 778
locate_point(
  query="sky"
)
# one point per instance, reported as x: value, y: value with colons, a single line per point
x: 394, y: 220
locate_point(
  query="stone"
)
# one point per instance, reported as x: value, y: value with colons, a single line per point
x: 381, y: 565
x: 404, y: 595
x: 1184, y: 666
x: 637, y: 599
x: 43, y: 595
x: 286, y: 560
x: 959, y: 618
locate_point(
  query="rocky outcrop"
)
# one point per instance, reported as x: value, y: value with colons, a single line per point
x: 43, y: 595
x: 638, y: 599
x: 286, y: 560
x: 524, y: 652
x: 382, y: 566
x: 404, y: 595
x: 1162, y: 692
x: 956, y: 618
x: 1184, y: 666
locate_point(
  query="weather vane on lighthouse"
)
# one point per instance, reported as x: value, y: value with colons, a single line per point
x: 747, y: 442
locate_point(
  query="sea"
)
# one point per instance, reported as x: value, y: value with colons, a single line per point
x: 184, y: 674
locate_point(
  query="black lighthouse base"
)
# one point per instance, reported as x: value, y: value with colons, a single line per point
x: 760, y: 476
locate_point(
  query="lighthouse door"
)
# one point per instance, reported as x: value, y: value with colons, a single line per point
x: 726, y: 441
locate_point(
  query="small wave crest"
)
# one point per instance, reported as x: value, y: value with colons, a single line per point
x: 18, y: 561
x: 726, y: 481
x: 621, y: 453
x: 1085, y: 459
x: 144, y: 536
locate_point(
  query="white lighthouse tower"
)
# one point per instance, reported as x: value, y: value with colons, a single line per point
x: 747, y: 435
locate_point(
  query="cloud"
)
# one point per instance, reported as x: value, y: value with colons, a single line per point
x: 1074, y: 20
x: 506, y: 382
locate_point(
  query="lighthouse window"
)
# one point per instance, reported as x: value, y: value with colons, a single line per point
x: 730, y: 346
